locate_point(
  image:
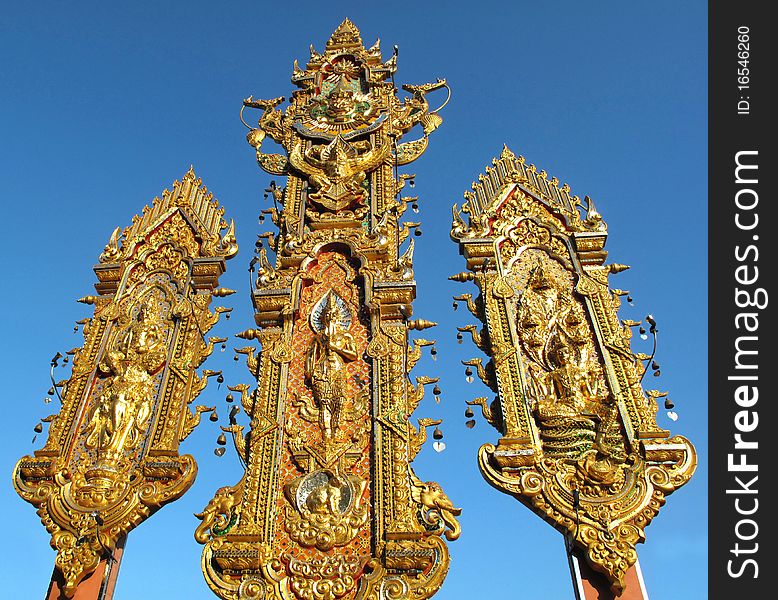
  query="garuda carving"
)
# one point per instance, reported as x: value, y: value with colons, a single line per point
x: 344, y: 124
x: 337, y: 170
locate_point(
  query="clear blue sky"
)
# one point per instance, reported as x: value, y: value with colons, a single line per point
x: 105, y: 104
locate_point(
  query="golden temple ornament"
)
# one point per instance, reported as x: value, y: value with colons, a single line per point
x: 580, y: 445
x: 111, y: 458
x: 329, y: 506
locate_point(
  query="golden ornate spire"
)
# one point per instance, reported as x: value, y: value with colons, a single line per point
x: 111, y: 458
x: 329, y: 506
x: 579, y: 445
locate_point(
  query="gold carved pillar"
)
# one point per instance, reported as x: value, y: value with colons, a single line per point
x: 329, y: 505
x: 579, y: 442
x: 111, y: 458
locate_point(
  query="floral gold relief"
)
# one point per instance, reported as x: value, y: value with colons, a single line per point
x: 329, y: 506
x: 111, y: 458
x: 579, y: 445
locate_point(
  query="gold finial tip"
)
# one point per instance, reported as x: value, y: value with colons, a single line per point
x: 249, y: 334
x: 346, y: 35
x: 420, y: 324
x: 347, y: 24
x: 462, y: 277
x: 190, y: 174
x: 506, y: 152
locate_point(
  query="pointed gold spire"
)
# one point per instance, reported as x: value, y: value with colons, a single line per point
x: 345, y: 38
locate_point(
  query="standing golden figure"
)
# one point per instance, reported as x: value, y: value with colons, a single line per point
x: 329, y: 506
x: 118, y: 419
x: 325, y: 364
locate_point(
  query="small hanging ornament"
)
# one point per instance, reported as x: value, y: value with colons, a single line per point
x: 669, y: 404
x: 437, y: 434
x: 214, y: 417
x: 459, y: 337
x: 469, y: 375
x: 673, y: 416
x: 219, y: 451
x: 229, y: 398
x: 51, y: 391
x: 38, y: 428
x: 47, y: 400
x: 439, y: 446
x: 470, y: 423
x: 436, y: 393
x: 643, y: 334
x: 469, y: 412
x: 434, y: 353
x: 224, y: 347
x: 222, y: 439
x: 415, y: 207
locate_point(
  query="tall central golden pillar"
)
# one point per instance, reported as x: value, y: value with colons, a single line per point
x: 329, y: 506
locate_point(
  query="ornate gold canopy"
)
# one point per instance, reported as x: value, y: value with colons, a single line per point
x: 329, y: 505
x: 111, y: 458
x: 580, y: 444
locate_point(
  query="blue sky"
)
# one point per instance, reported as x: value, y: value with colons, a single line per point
x: 105, y: 104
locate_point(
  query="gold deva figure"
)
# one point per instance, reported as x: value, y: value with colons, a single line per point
x: 117, y: 419
x: 325, y: 364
